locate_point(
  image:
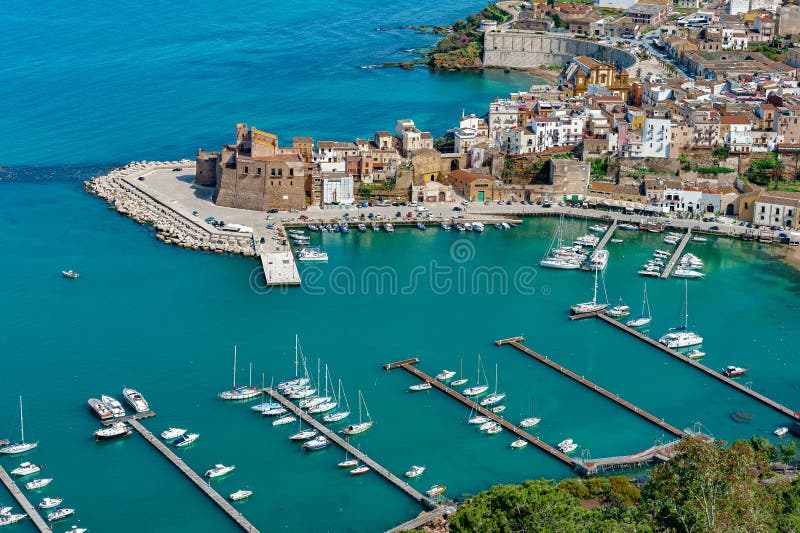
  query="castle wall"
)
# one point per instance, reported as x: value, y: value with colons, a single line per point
x: 525, y: 49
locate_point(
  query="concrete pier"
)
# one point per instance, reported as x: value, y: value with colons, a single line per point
x: 607, y: 236
x: 352, y: 450
x: 23, y: 502
x: 418, y: 522
x: 678, y: 251
x: 195, y: 478
x: 135, y: 416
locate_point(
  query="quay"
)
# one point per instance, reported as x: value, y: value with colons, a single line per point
x: 421, y: 520
x: 519, y: 432
x: 678, y: 251
x: 607, y: 236
x: 135, y: 416
x: 352, y: 450
x: 677, y: 355
x: 235, y: 515
x: 517, y: 343
x: 23, y: 502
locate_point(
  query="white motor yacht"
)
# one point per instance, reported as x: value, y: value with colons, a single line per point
x: 26, y: 469
x: 8, y: 519
x: 529, y: 422
x: 38, y: 483
x: 240, y: 495
x: 135, y: 400
x: 781, y: 431
x: 49, y: 503
x: 311, y: 254
x: 219, y: 470
x: 519, y: 443
x: 116, y: 430
x: 60, y: 514
x: 680, y: 339
x: 415, y: 471
x: 172, y: 433
x: 113, y: 405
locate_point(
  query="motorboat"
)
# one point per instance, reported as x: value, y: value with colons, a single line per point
x: 436, y: 490
x: 348, y: 463
x: 240, y: 495
x: 480, y: 419
x: 312, y: 227
x: 49, y: 503
x: 651, y: 272
x: 734, y: 371
x: 421, y: 226
x: 477, y: 226
x: 185, y: 440
x: 696, y: 354
x: 362, y: 228
x: 219, y: 470
x: 70, y: 274
x: 113, y: 405
x: 519, y: 443
x: 460, y: 227
x: 529, y: 422
x: 8, y: 519
x: 420, y: 387
x: 498, y: 225
x: 5, y: 510
x: 21, y: 446
x: 415, y: 471
x: 357, y: 471
x: 494, y: 430
x: 316, y: 443
x: 781, y: 431
x: 304, y: 434
x: 26, y: 469
x: 445, y: 226
x: 172, y: 433
x: 617, y: 241
x: 600, y: 228
x: 60, y: 514
x: 115, y: 431
x: 444, y: 375
x: 38, y: 483
x: 498, y: 408
x: 587, y: 240
x: 288, y: 419
x: 697, y: 238
x: 598, y: 260
x: 569, y: 448
x: 486, y: 426
x: 618, y: 311
x: 311, y: 254
x: 563, y: 443
x: 628, y: 227
x: 688, y: 274
x: 389, y: 227
x: 99, y: 409
x: 76, y: 529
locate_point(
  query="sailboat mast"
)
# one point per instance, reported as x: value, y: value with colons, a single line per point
x: 326, y: 380
x: 234, y: 366
x: 686, y: 304
x: 21, y: 420
x: 251, y: 375
x: 594, y: 298
x: 296, y: 360
x: 495, y: 377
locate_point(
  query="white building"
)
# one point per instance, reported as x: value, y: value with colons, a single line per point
x: 545, y: 130
x: 734, y: 39
x: 680, y: 200
x: 518, y: 140
x: 570, y: 130
x: 614, y: 4
x: 337, y: 190
x: 737, y: 7
x: 656, y: 136
x: 502, y: 114
x: 653, y: 94
x: 738, y: 139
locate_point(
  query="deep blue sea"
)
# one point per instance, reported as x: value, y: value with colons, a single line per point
x: 85, y: 87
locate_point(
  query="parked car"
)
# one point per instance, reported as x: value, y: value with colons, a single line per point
x: 273, y: 210
x: 714, y: 228
x: 303, y: 217
x: 410, y: 214
x: 456, y: 208
x: 293, y: 210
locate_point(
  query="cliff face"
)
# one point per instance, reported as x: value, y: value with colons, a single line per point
x: 467, y: 57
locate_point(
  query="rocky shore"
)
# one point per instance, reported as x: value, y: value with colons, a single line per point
x: 119, y: 189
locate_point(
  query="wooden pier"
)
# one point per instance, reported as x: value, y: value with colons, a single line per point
x: 421, y: 520
x: 652, y: 342
x: 607, y: 236
x: 396, y: 364
x: 659, y: 453
x: 235, y: 515
x: 29, y: 509
x: 678, y: 251
x: 135, y: 416
x: 596, y: 388
x: 352, y: 450
x: 519, y: 432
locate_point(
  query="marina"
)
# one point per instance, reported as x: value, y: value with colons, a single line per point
x: 607, y: 236
x: 677, y: 254
x: 516, y: 342
x: 235, y: 515
x: 23, y: 502
x: 356, y: 453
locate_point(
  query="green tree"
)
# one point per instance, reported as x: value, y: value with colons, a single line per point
x: 557, y: 22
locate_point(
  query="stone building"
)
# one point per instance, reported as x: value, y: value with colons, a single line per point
x: 583, y: 72
x: 476, y: 187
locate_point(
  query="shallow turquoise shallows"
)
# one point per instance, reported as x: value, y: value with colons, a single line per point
x: 165, y: 320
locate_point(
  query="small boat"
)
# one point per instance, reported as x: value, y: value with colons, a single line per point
x: 348, y: 463
x: 569, y: 448
x: 600, y: 228
x: 486, y: 426
x: 628, y: 227
x: 316, y: 443
x: 113, y: 405
x: 21, y: 446
x: 389, y: 227
x: 519, y: 443
x: 274, y: 411
x: 617, y: 241
x: 499, y: 409
x: 219, y: 470
x: 649, y: 272
x: 495, y: 397
x: 781, y: 431
x: 60, y: 514
x: 305, y: 434
x: 76, y: 529
x: 288, y: 419
x: 311, y: 254
x: 415, y: 471
x: 506, y: 225
x: 563, y: 443
x: 460, y: 227
x: 99, y: 409
x: 323, y: 407
x: 494, y: 430
x: 436, y: 490
x: 480, y: 419
x: 240, y: 495
x: 49, y: 503
x: 135, y: 400
x: 734, y: 371
x: 589, y: 307
x: 265, y: 406
x: 38, y: 483
x: 444, y: 375
x: 242, y: 392
x: 185, y: 440
x: 8, y: 519
x: 468, y: 226
x: 687, y: 274
x: 308, y: 403
x: 362, y: 228
x: 445, y: 226
x: 696, y: 354
x: 498, y: 225
x: 5, y: 510
x: 421, y: 226
x: 529, y: 422
x: 461, y: 379
x: 363, y: 425
x: 357, y: 471
x: 681, y: 337
x: 70, y: 274
x: 644, y: 318
x: 26, y: 469
x: 477, y: 226
x: 312, y: 227
x: 420, y: 387
x: 172, y: 433
x: 618, y: 311
x: 697, y: 238
x: 115, y: 431
x: 477, y: 390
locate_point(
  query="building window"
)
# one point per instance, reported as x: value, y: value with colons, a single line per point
x: 280, y: 172
x: 272, y: 172
x: 246, y: 170
x: 258, y: 171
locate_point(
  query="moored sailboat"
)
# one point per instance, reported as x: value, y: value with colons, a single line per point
x: 242, y: 392
x: 362, y: 426
x: 644, y: 318
x: 21, y: 446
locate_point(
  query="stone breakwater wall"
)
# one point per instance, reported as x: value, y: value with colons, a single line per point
x: 526, y: 49
x: 172, y: 227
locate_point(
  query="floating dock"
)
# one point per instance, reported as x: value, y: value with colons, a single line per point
x: 607, y: 236
x: 677, y: 355
x: 235, y: 515
x: 23, y: 502
x: 352, y: 450
x: 135, y: 416
x: 519, y: 432
x: 517, y: 343
x: 678, y: 251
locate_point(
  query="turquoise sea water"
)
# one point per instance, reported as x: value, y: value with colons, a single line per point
x: 165, y: 320
x: 105, y: 85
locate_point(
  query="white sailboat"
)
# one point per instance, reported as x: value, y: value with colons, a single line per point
x: 339, y: 414
x: 477, y: 389
x: 325, y: 403
x: 461, y: 379
x: 589, y: 307
x: 681, y: 337
x: 297, y: 381
x: 495, y: 397
x: 554, y: 260
x: 362, y: 426
x: 21, y: 446
x: 643, y: 319
x: 530, y: 421
x: 243, y: 392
